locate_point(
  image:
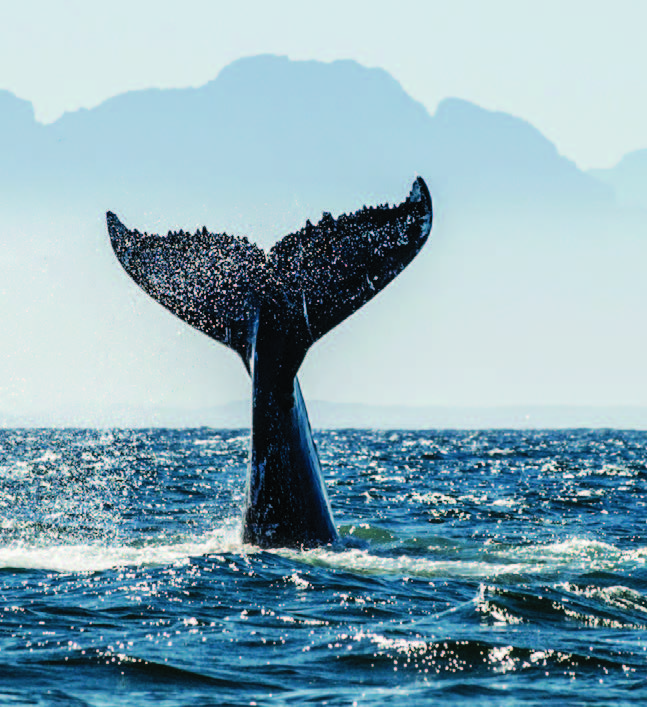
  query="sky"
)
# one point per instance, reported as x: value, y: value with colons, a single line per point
x: 573, y: 68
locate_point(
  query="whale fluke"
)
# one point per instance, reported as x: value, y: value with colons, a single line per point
x: 340, y: 264
x: 329, y: 270
x: 270, y: 309
x: 210, y: 280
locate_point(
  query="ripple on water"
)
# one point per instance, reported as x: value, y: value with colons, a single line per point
x: 483, y: 566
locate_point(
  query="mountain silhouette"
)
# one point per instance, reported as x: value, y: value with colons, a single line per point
x: 271, y: 131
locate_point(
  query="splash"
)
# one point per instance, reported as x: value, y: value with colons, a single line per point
x: 95, y: 557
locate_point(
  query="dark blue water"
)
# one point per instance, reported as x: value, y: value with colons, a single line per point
x: 500, y: 568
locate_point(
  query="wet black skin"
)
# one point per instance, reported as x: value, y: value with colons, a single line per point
x: 286, y: 500
x: 270, y: 309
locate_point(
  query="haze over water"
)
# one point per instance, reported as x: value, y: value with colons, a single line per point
x: 493, y: 568
x: 527, y: 293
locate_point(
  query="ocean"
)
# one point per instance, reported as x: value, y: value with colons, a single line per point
x: 482, y: 568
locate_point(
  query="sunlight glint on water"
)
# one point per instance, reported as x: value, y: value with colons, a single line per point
x: 486, y: 566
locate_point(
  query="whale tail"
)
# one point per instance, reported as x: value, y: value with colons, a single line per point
x: 270, y: 308
x: 309, y: 282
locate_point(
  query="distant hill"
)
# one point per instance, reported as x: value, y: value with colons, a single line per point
x: 267, y: 133
x: 628, y: 178
x: 530, y: 291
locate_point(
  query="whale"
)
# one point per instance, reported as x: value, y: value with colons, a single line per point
x: 270, y: 308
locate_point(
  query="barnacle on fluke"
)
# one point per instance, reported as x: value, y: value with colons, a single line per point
x: 270, y: 309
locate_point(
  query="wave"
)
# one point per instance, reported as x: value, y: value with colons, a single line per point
x: 575, y: 554
x: 385, y: 554
x: 95, y: 557
x: 579, y: 554
x: 456, y: 656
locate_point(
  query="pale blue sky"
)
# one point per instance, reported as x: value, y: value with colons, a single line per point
x: 573, y: 68
x: 482, y: 317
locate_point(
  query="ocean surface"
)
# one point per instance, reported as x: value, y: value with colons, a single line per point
x: 480, y: 568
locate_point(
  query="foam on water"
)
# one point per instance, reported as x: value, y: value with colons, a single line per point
x: 580, y: 554
x: 95, y: 557
x: 491, y: 567
x: 576, y: 554
x: 363, y: 562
